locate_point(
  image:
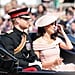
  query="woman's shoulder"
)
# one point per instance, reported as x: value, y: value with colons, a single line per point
x: 58, y: 39
x: 38, y: 40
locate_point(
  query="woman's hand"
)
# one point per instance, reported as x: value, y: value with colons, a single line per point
x: 58, y: 61
x: 60, y: 28
x: 50, y: 65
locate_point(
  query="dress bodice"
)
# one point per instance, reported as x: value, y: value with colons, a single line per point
x: 47, y: 51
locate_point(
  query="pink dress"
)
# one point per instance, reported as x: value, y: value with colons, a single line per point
x: 51, y: 52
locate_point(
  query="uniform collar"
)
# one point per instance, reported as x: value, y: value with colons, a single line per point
x: 18, y: 31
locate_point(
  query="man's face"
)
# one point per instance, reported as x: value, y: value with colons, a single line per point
x: 69, y: 17
x: 23, y: 23
x: 73, y: 26
x: 1, y: 21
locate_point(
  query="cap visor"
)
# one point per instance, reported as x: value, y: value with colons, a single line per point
x: 24, y: 16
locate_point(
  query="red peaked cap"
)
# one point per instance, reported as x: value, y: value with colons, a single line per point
x: 19, y: 12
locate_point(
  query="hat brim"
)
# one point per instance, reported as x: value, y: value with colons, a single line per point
x: 46, y: 20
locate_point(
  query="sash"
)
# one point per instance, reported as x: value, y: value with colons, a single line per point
x: 21, y: 45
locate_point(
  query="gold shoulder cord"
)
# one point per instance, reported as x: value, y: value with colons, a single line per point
x: 21, y: 45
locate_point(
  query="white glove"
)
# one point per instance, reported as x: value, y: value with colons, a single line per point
x: 36, y: 63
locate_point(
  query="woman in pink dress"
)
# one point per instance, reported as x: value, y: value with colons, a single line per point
x: 47, y: 46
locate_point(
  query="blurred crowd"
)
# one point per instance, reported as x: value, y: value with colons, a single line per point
x: 67, y: 16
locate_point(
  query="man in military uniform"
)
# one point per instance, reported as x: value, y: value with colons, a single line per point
x: 18, y: 42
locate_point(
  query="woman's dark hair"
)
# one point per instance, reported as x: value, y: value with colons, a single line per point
x: 41, y: 32
x: 44, y: 8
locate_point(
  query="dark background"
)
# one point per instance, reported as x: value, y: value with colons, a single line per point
x: 69, y: 1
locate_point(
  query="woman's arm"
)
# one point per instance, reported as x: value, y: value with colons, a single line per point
x: 67, y: 44
x: 37, y: 53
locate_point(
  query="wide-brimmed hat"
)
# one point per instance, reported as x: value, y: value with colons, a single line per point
x: 46, y: 20
x: 22, y: 12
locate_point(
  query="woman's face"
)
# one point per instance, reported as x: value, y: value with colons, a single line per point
x: 50, y: 29
x: 40, y: 8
